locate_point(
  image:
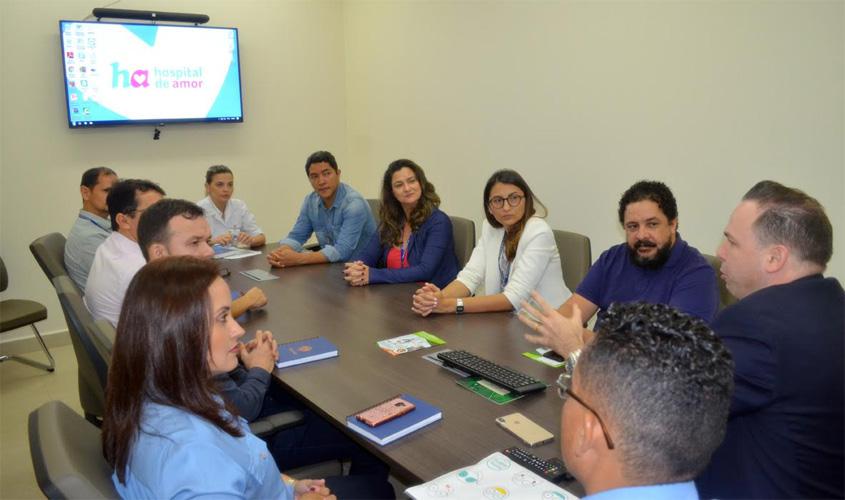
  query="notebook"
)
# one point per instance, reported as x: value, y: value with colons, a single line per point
x: 305, y: 351
x: 423, y: 415
x: 495, y: 476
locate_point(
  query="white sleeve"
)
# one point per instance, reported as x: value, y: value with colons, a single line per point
x: 248, y: 224
x: 536, y: 248
x: 472, y: 275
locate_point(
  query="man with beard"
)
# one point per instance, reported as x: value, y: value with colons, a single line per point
x: 654, y: 265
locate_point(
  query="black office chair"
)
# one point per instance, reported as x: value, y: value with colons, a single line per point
x: 49, y: 252
x: 67, y: 454
x: 575, y: 256
x: 725, y: 296
x: 91, y: 358
x: 15, y: 313
x: 463, y: 232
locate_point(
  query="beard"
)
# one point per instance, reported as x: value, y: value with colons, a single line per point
x: 655, y: 262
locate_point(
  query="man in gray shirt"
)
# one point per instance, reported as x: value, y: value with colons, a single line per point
x: 92, y: 226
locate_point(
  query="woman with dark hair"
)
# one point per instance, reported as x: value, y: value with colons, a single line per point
x: 414, y: 241
x: 515, y: 255
x: 231, y: 221
x: 166, y: 431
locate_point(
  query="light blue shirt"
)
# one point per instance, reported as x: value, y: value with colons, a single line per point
x: 342, y: 230
x: 88, y: 232
x: 671, y: 491
x: 180, y: 455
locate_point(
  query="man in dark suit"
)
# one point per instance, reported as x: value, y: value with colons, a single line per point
x: 786, y: 426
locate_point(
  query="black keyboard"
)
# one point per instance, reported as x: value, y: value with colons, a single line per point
x: 551, y: 470
x: 499, y: 375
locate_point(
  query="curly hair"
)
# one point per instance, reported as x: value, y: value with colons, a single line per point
x: 649, y: 191
x: 391, y: 213
x: 664, y: 381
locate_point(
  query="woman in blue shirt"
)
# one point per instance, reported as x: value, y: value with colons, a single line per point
x: 414, y: 240
x: 166, y: 432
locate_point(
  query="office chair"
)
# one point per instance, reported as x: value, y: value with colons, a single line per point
x: 375, y: 206
x: 575, y: 256
x: 15, y: 313
x: 725, y: 296
x: 49, y: 252
x: 67, y: 454
x: 463, y: 232
x: 91, y: 358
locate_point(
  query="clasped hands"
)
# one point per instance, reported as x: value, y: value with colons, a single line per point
x: 356, y: 273
x: 284, y: 256
x: 261, y: 352
x: 429, y: 299
x: 551, y: 329
x: 312, y: 489
x: 225, y: 239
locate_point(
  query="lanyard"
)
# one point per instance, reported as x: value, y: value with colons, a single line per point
x: 504, y: 266
x: 92, y: 221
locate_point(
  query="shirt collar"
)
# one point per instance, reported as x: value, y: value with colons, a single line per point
x: 214, y: 206
x: 96, y: 219
x: 339, y: 196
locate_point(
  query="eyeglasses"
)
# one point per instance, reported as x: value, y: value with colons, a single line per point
x: 513, y: 200
x: 564, y: 383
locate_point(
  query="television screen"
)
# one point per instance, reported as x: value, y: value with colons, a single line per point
x: 126, y: 73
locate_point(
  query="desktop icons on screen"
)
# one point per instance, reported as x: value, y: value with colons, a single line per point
x: 128, y: 73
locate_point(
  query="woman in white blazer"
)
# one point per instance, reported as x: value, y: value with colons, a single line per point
x: 515, y: 255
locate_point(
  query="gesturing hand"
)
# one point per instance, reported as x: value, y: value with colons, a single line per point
x: 552, y: 329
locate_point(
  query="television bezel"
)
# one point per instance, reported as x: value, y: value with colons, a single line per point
x: 152, y: 121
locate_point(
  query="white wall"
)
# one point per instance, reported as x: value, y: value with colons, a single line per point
x: 583, y: 98
x: 294, y: 102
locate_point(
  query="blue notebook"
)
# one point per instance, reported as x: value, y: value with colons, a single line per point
x: 305, y: 351
x: 423, y: 415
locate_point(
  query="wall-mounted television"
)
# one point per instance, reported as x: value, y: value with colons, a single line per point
x: 128, y: 73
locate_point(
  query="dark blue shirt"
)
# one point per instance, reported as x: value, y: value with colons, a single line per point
x: 431, y: 255
x: 686, y: 281
x: 785, y: 431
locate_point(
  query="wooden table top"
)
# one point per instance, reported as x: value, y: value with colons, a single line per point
x: 314, y: 300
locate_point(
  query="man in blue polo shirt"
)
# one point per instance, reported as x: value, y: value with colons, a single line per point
x: 337, y: 214
x: 654, y: 265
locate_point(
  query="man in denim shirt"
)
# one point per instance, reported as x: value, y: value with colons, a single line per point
x: 336, y: 213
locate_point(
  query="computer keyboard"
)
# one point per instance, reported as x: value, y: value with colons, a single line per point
x: 499, y: 375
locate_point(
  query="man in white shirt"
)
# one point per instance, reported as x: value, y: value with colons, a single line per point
x: 178, y: 227
x: 119, y: 257
x: 92, y: 226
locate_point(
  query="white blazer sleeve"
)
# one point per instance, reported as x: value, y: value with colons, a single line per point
x: 472, y: 275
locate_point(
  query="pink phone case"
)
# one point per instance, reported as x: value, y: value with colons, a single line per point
x: 384, y: 412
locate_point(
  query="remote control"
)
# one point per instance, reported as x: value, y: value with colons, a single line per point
x: 551, y: 470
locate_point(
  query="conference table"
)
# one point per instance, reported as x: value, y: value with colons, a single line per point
x: 309, y: 301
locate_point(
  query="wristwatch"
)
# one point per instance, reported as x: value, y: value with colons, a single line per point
x: 571, y: 361
x: 459, y: 306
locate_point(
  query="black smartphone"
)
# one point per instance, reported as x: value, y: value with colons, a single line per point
x: 553, y: 356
